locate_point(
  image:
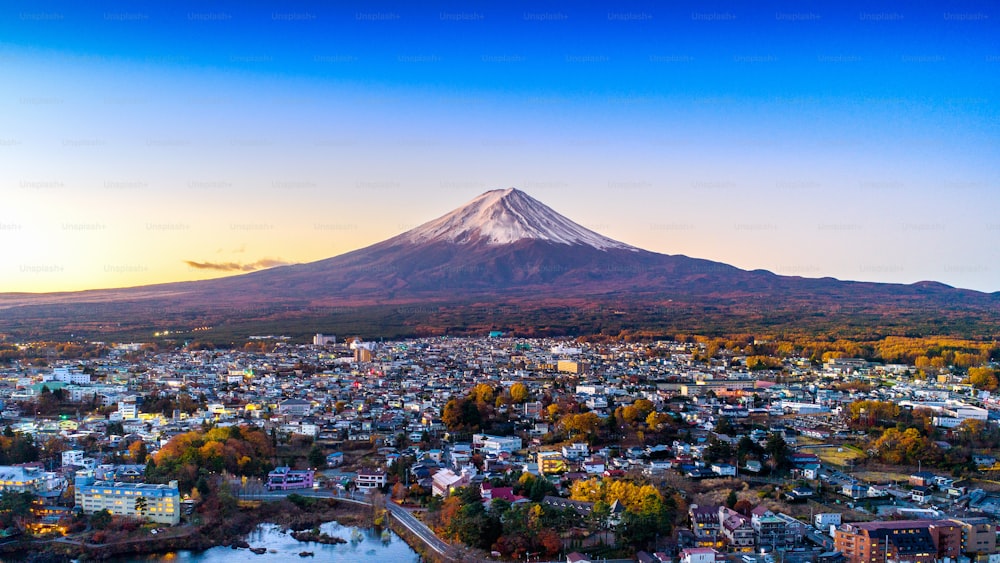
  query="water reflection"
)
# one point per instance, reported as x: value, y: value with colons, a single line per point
x: 363, y: 546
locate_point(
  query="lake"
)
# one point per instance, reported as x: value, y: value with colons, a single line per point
x: 362, y: 546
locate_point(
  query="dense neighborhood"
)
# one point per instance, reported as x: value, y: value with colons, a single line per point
x: 551, y: 449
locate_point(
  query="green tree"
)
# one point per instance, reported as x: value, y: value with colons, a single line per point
x: 717, y: 450
x: 777, y: 450
x: 140, y: 506
x: 317, y: 458
x: 100, y: 520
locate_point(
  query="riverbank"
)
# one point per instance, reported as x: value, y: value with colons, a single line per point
x: 227, y: 530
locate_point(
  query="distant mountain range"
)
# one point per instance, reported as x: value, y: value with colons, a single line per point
x: 505, y: 261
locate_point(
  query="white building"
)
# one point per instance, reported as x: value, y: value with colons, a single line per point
x: 368, y: 479
x: 495, y: 444
x: 324, y: 339
x: 824, y: 520
x: 155, y: 503
x: 128, y: 409
x: 22, y: 479
x: 66, y: 375
x: 698, y: 555
x: 576, y: 450
x: 72, y: 457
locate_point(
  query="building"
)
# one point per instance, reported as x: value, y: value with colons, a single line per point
x: 978, y: 536
x: 495, y: 444
x: 551, y: 462
x: 127, y: 409
x: 362, y: 351
x: 72, y: 457
x: 285, y: 478
x: 66, y: 375
x: 705, y: 525
x: 736, y: 529
x: 22, y: 479
x: 336, y: 459
x: 698, y: 555
x: 445, y: 480
x: 155, y: 503
x: 824, y: 520
x: 901, y: 541
x: 770, y: 529
x: 295, y: 407
x: 571, y: 366
x: 576, y: 450
x: 324, y: 339
x: 368, y: 479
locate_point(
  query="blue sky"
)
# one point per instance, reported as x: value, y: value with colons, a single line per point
x: 858, y: 141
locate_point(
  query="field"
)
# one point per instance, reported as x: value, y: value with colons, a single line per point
x: 839, y: 456
x: 881, y: 476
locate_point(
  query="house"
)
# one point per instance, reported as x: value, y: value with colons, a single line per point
x: 698, y: 555
x: 920, y: 494
x: 824, y: 520
x: 368, y: 479
x: 854, y: 490
x: 799, y: 494
x: 577, y: 557
x: 724, y: 469
x: 297, y: 407
x: 736, y: 529
x: 445, y: 480
x: 921, y: 479
x: 576, y: 451
x: 335, y: 459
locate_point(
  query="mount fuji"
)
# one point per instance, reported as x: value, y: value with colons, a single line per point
x: 506, y: 260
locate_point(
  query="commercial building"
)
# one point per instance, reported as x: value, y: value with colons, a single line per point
x: 285, y: 478
x: 21, y: 479
x: 155, y: 503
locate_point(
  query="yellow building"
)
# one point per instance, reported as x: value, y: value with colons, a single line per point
x: 572, y: 366
x: 551, y: 462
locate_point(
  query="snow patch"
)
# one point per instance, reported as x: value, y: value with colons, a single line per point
x: 500, y: 217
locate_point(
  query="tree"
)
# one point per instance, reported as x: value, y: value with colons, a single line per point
x: 13, y: 506
x: 140, y: 506
x: 777, y: 449
x: 731, y: 499
x: 983, y: 378
x: 138, y: 452
x: 316, y: 457
x: 585, y: 423
x: 725, y: 426
x: 717, y: 450
x: 100, y: 520
x: 519, y: 392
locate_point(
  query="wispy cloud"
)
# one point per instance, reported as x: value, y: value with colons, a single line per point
x: 236, y: 266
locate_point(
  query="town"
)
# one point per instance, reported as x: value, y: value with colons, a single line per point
x: 691, y: 449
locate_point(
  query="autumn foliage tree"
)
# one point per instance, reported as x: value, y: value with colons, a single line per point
x: 983, y: 378
x: 240, y: 450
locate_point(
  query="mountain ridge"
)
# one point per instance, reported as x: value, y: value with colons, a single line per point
x: 503, y: 246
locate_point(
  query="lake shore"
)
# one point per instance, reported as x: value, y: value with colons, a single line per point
x: 224, y: 532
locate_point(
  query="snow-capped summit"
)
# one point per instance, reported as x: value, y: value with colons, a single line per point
x: 506, y: 216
